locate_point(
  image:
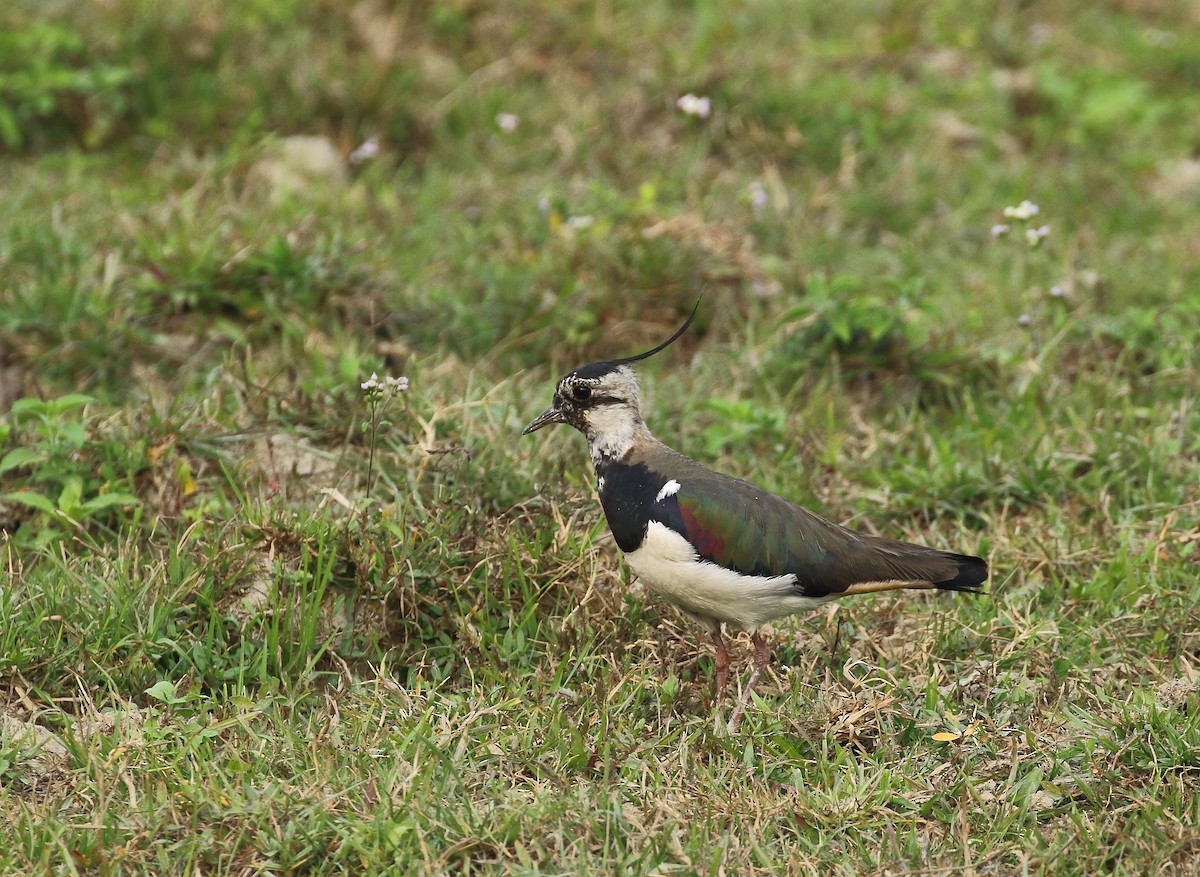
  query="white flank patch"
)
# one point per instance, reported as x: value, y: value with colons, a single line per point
x: 670, y: 567
x: 600, y: 483
x: 669, y: 489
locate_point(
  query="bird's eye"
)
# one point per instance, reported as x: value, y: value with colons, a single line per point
x: 581, y: 392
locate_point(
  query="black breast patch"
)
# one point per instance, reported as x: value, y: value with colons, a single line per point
x: 628, y: 497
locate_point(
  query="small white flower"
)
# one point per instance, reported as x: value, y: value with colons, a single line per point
x: 1034, y: 235
x: 1025, y: 210
x: 701, y: 107
x: 507, y: 122
x: 1024, y: 320
x: 577, y: 222
x: 368, y: 149
x: 758, y: 196
x: 999, y: 228
x: 544, y: 204
x: 376, y: 386
x: 1056, y: 291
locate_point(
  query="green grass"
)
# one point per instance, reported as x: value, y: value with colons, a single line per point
x: 235, y: 641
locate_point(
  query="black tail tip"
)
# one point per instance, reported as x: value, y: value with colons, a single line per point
x: 972, y: 573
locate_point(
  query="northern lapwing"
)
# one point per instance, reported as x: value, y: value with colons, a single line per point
x: 721, y: 549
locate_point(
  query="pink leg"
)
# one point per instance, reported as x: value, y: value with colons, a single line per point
x: 762, y: 655
x: 722, y: 664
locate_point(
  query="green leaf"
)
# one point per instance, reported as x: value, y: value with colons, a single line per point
x: 31, y: 499
x: 839, y: 322
x: 108, y: 500
x: 10, y: 130
x: 69, y: 402
x: 28, y: 406
x: 73, y: 433
x: 163, y: 691
x: 68, y: 500
x: 21, y: 457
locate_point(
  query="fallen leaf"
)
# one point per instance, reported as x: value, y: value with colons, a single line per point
x: 158, y: 450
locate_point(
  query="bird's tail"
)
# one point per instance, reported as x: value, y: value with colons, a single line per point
x: 948, y: 572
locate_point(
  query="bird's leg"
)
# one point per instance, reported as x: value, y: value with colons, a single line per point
x: 762, y: 655
x: 722, y: 664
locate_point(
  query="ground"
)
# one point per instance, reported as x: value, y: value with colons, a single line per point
x: 256, y: 619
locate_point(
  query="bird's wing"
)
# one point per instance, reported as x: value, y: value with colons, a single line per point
x: 742, y: 527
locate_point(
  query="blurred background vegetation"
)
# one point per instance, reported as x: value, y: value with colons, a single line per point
x: 883, y: 140
x: 219, y: 218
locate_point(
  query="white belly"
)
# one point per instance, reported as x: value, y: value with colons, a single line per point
x: 668, y: 565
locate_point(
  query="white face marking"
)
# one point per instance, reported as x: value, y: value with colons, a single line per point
x: 669, y: 489
x: 610, y: 426
x: 610, y: 431
x: 670, y: 567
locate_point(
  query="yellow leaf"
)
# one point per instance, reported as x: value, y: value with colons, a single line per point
x: 946, y: 736
x: 187, y: 484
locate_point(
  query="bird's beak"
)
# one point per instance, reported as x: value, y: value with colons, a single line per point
x: 547, y: 417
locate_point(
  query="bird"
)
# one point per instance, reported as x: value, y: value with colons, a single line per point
x: 724, y: 551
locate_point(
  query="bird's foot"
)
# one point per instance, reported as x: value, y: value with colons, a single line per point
x: 735, y: 718
x: 722, y: 659
x: 762, y: 654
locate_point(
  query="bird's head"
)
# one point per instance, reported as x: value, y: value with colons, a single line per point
x: 601, y: 400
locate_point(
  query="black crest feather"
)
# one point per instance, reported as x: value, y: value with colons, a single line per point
x: 594, y: 370
x: 665, y: 344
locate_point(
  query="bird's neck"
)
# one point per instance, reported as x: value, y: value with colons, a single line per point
x: 611, y: 435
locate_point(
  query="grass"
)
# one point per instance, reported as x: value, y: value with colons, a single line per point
x: 244, y: 631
